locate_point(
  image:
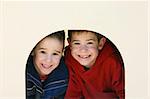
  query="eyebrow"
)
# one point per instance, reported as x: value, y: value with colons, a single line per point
x: 75, y: 40
x: 41, y: 48
x: 58, y: 51
x: 86, y: 40
x: 90, y: 40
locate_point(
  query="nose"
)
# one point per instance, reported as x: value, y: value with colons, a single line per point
x: 49, y: 58
x: 83, y: 48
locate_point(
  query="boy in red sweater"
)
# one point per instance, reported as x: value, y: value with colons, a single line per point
x: 96, y: 69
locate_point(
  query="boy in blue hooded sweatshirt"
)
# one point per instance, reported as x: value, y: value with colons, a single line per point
x: 46, y: 72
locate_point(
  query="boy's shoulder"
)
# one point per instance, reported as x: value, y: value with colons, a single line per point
x: 109, y: 51
x: 111, y: 54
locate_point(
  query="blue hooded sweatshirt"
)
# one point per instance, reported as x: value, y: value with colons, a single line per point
x: 54, y: 87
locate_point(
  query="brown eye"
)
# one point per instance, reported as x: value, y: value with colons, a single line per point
x: 90, y: 43
x: 55, y: 54
x: 43, y: 52
x: 77, y: 43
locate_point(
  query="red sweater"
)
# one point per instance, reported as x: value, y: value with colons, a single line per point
x: 104, y: 80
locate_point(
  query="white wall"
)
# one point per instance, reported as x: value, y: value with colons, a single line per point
x: 23, y: 24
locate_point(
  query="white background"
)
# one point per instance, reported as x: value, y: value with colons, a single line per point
x: 23, y: 24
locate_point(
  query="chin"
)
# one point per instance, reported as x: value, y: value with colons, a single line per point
x: 45, y: 73
x: 84, y: 64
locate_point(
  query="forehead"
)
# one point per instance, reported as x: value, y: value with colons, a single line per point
x: 84, y: 35
x: 50, y: 43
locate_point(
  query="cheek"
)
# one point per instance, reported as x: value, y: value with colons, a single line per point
x: 94, y: 50
x: 74, y: 50
x: 38, y: 59
x: 56, y: 60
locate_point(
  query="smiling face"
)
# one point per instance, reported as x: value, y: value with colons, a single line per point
x: 47, y: 55
x: 84, y: 48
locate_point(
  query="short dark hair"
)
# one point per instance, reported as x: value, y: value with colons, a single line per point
x: 70, y: 33
x: 60, y: 35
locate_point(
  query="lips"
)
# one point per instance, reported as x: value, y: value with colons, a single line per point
x: 46, y: 66
x: 84, y: 56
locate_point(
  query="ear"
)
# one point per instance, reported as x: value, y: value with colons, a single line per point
x: 101, y: 43
x: 32, y: 53
x: 68, y: 41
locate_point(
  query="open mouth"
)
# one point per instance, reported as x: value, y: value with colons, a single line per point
x: 46, y: 66
x: 84, y: 56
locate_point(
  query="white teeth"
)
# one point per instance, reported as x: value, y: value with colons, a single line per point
x: 84, y: 56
